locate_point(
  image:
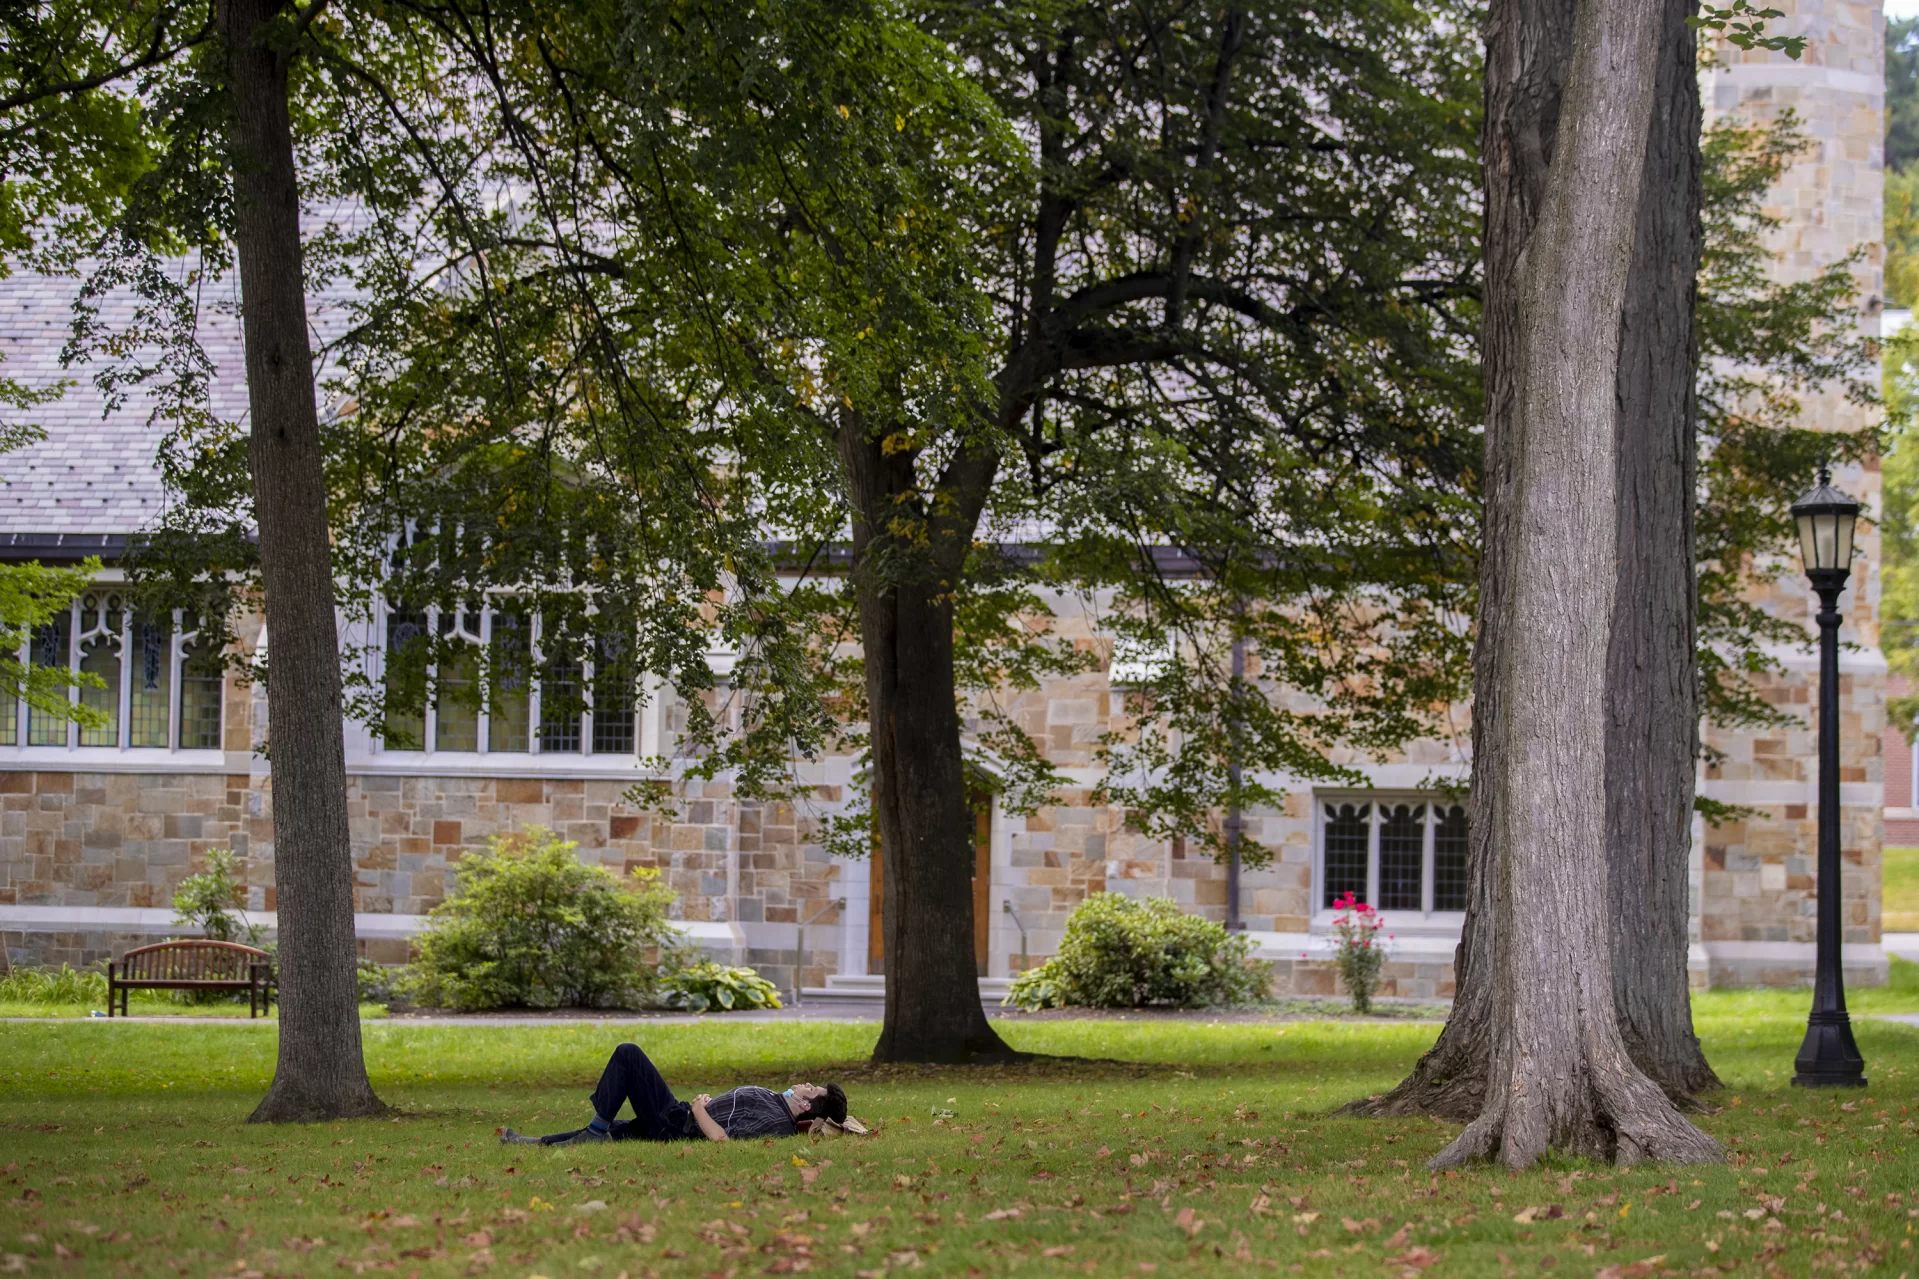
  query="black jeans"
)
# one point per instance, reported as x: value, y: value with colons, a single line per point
x: 630, y: 1078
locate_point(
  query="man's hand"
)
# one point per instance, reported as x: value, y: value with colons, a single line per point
x: 708, y: 1129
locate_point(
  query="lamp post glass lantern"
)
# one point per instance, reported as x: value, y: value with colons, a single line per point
x: 1828, y: 1058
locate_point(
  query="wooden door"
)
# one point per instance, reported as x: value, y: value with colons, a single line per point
x: 982, y: 890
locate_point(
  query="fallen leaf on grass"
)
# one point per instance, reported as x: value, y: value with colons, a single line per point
x: 907, y: 1260
x: 1418, y: 1257
x: 1636, y: 1270
x: 479, y: 1239
x: 13, y: 1263
x: 1305, y: 1218
x: 1358, y: 1227
x: 1062, y: 1250
x: 591, y: 1205
x: 65, y: 1253
x: 1397, y: 1239
x: 1008, y: 1214
x: 1188, y: 1222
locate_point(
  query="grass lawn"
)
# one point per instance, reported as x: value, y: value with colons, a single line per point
x: 1901, y: 890
x: 1192, y: 1147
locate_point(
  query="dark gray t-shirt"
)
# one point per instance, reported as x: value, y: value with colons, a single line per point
x: 752, y: 1112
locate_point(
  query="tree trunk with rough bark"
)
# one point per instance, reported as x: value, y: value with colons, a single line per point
x: 1652, y: 730
x: 320, y: 1073
x: 1652, y: 727
x: 1560, y: 1078
x: 920, y: 809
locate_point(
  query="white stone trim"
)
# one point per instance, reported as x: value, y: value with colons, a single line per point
x: 155, y: 760
x: 503, y: 765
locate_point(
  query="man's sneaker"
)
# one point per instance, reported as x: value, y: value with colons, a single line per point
x: 585, y: 1136
x: 510, y: 1138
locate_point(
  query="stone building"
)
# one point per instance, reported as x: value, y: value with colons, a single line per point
x: 98, y: 826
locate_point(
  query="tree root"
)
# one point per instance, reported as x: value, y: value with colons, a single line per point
x: 284, y: 1105
x: 1606, y: 1111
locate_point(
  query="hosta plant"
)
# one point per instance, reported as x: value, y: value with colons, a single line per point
x: 711, y: 987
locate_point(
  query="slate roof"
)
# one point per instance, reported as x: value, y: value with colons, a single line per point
x: 94, y: 473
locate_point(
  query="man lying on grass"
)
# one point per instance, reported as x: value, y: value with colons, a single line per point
x: 741, y: 1115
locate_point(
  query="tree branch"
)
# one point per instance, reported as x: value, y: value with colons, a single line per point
x: 158, y: 51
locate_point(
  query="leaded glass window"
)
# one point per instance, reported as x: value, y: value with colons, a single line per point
x: 150, y: 697
x: 202, y: 676
x: 1449, y: 858
x: 1347, y: 836
x: 51, y: 646
x: 510, y: 703
x: 404, y: 718
x: 1402, y: 856
x: 99, y: 635
x: 1396, y: 854
x: 456, y: 720
x: 613, y: 696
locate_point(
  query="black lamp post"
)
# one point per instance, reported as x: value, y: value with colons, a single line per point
x: 1829, y: 1058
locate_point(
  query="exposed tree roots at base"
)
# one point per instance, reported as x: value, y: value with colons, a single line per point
x: 1616, y: 1116
x: 297, y: 1106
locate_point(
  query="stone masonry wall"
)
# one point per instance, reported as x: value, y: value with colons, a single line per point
x: 127, y: 840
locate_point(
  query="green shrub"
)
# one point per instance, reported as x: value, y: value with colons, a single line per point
x: 207, y: 901
x: 701, y: 987
x: 529, y: 925
x: 379, y: 983
x: 1119, y: 952
x: 62, y: 985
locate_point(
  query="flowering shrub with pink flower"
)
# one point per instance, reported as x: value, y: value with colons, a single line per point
x: 1358, y: 952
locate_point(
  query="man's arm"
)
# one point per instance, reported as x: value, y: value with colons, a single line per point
x: 711, y: 1130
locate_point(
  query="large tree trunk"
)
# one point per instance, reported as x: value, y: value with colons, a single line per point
x: 1652, y: 666
x: 321, y: 1073
x: 1652, y: 727
x: 1560, y: 1077
x: 920, y: 805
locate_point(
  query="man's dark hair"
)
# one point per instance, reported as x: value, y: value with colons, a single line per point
x: 830, y: 1104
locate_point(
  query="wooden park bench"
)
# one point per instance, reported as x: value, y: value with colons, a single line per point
x: 193, y: 965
